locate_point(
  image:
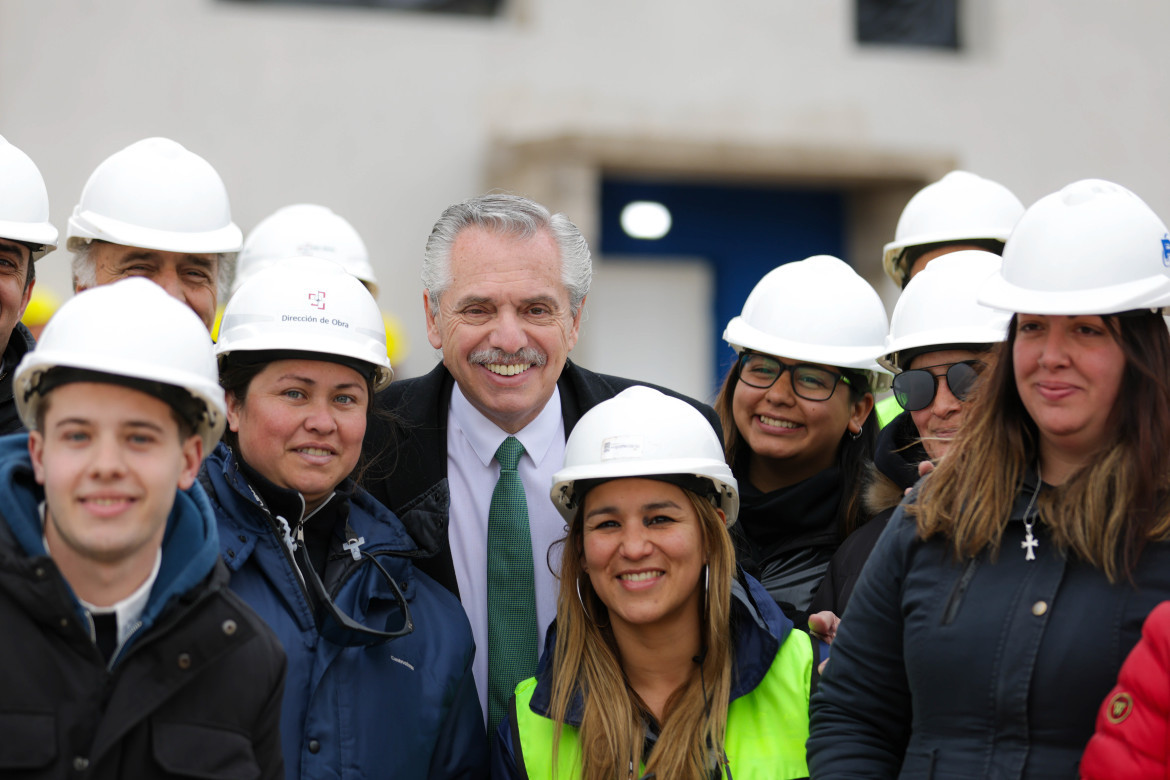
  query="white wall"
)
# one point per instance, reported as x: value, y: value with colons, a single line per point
x: 387, y: 117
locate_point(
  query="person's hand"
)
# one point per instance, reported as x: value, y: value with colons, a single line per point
x: 823, y: 625
x: 924, y: 468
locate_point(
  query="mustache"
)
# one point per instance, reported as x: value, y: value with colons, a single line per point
x: 525, y: 355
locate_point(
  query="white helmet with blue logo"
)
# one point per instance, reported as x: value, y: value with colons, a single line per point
x: 1092, y: 248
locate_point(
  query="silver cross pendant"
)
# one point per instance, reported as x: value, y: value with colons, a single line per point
x: 1030, y: 544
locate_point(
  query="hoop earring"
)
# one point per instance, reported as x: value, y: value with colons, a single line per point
x: 585, y: 608
x: 855, y: 436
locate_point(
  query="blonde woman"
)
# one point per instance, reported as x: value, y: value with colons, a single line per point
x: 997, y: 607
x: 663, y: 663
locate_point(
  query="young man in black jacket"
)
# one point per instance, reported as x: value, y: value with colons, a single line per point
x: 125, y: 653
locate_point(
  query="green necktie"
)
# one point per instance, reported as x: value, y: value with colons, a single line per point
x: 510, y: 594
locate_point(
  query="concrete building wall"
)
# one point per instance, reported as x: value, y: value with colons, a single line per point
x: 387, y: 117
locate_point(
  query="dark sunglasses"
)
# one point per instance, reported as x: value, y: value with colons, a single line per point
x: 915, y: 389
x: 810, y: 382
x: 336, y: 626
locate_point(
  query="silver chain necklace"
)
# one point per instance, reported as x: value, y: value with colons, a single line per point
x: 1030, y: 542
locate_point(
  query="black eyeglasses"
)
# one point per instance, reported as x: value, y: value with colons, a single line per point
x: 810, y: 382
x: 915, y: 389
x: 336, y: 626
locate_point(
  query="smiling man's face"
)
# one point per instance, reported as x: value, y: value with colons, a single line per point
x: 504, y: 323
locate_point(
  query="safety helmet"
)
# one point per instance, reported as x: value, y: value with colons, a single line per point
x: 305, y: 230
x: 642, y: 432
x: 306, y: 304
x: 24, y: 202
x: 155, y: 194
x: 937, y: 310
x: 1092, y: 248
x: 817, y: 310
x: 958, y: 207
x: 131, y: 329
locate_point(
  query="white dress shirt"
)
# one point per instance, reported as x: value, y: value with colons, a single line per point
x: 472, y: 472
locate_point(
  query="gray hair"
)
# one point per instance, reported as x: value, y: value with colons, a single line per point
x: 85, y: 270
x: 509, y: 215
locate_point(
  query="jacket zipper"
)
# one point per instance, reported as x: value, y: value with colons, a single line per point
x: 959, y: 591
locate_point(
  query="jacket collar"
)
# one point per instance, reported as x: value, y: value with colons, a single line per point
x: 244, y: 508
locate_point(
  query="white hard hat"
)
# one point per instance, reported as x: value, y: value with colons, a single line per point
x: 958, y: 207
x: 816, y: 310
x: 1092, y: 248
x: 642, y: 432
x: 306, y: 304
x: 155, y: 194
x: 938, y: 309
x: 130, y: 329
x: 305, y: 230
x: 24, y: 202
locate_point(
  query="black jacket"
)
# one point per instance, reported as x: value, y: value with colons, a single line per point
x: 408, y: 471
x: 785, y: 538
x: 194, y: 692
x: 992, y: 666
x: 20, y: 343
x: 894, y: 470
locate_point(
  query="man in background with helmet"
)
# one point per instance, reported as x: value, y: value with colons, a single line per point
x: 25, y: 237
x: 959, y: 211
x: 504, y: 282
x: 125, y: 654
x: 155, y: 209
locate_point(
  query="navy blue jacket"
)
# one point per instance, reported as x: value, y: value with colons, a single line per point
x: 193, y: 692
x: 406, y: 708
x: 992, y: 666
x: 760, y: 628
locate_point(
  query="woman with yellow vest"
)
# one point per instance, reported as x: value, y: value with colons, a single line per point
x: 663, y: 661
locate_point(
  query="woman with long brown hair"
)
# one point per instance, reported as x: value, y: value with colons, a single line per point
x: 664, y: 662
x: 799, y: 432
x: 998, y: 605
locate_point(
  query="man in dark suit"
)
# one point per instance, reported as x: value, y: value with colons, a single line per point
x: 504, y: 285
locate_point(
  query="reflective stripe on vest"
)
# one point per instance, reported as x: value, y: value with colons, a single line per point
x: 766, y: 728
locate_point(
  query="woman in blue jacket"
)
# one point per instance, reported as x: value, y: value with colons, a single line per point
x: 996, y: 609
x: 662, y: 661
x: 379, y: 655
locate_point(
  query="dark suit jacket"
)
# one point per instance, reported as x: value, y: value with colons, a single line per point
x: 408, y: 468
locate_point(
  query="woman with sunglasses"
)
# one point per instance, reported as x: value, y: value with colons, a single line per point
x: 996, y: 608
x: 939, y: 345
x: 660, y: 663
x: 798, y: 432
x: 379, y: 655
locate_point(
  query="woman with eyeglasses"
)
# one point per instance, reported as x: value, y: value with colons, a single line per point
x: 796, y: 413
x: 379, y: 655
x: 939, y: 346
x: 999, y: 603
x: 662, y: 661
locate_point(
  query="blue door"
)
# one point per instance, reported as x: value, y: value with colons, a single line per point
x: 743, y: 231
